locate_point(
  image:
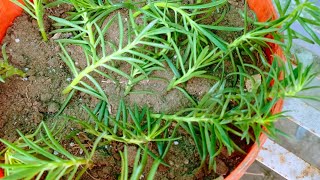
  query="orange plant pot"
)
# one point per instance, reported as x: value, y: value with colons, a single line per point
x: 264, y: 11
x: 8, y: 12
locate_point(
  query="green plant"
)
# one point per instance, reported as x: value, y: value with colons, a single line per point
x: 140, y: 163
x: 198, y: 55
x: 40, y: 155
x: 134, y: 53
x: 224, y: 111
x: 7, y: 70
x: 132, y: 127
x: 298, y: 79
x: 237, y: 110
x: 170, y: 34
x: 36, y: 9
x: 193, y: 48
x: 200, y: 48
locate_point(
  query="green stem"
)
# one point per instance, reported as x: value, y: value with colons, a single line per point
x: 91, y: 36
x: 137, y: 140
x: 41, y: 28
x: 92, y: 67
x: 68, y: 163
x: 128, y: 88
x: 39, y: 14
x: 43, y: 34
x: 183, y: 118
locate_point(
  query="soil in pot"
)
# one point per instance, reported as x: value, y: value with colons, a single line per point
x: 26, y: 102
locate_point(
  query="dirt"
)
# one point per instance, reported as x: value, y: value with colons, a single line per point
x: 185, y: 162
x: 182, y: 157
x: 25, y: 102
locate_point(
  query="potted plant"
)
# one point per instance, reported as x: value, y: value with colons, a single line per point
x: 175, y: 48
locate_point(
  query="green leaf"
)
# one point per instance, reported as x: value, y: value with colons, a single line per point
x: 25, y: 8
x: 64, y: 22
x: 204, y: 5
x: 222, y: 28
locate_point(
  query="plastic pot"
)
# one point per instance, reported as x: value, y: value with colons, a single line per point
x: 8, y: 12
x: 264, y: 11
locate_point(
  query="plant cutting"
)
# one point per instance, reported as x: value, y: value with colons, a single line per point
x: 42, y: 157
x: 7, y: 70
x: 170, y: 38
x: 36, y: 10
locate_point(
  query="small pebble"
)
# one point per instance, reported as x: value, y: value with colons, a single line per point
x: 171, y: 163
x: 71, y: 144
x: 55, y: 152
x: 57, y: 49
x: 175, y: 142
x: 17, y: 40
x: 26, y: 69
x: 186, y: 161
x: 69, y: 79
x: 25, y: 79
x: 56, y: 36
x: 68, y: 35
x: 81, y: 151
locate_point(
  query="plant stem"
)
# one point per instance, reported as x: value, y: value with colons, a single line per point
x: 42, y: 31
x: 39, y: 14
x: 69, y: 163
x: 128, y: 88
x: 91, y: 36
x: 136, y: 140
x: 97, y: 64
x: 106, y: 59
x: 183, y: 118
